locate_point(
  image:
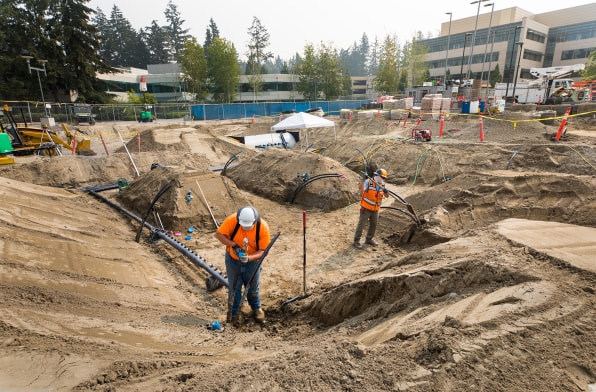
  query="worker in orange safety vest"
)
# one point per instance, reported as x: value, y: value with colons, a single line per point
x: 373, y: 191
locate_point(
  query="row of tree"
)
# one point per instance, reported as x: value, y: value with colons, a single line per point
x: 78, y: 42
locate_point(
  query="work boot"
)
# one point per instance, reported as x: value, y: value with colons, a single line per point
x: 357, y: 245
x: 237, y: 321
x: 372, y: 242
x: 259, y: 315
x: 229, y: 317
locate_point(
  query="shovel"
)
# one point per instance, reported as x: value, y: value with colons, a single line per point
x: 303, y: 295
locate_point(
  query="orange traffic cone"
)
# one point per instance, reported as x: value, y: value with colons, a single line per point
x: 419, y: 119
x: 563, y: 124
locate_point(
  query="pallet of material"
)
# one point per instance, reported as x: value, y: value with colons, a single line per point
x: 367, y: 114
x: 399, y: 114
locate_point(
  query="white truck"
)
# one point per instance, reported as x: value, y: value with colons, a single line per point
x: 550, y: 87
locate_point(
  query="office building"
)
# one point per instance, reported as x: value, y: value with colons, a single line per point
x: 550, y: 39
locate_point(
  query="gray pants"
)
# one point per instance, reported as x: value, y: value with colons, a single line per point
x: 366, y: 216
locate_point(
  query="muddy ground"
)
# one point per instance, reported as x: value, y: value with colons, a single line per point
x: 485, y: 281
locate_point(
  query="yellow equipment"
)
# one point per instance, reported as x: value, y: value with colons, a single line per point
x: 28, y: 140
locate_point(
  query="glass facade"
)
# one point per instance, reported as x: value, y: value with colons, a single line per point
x: 557, y: 35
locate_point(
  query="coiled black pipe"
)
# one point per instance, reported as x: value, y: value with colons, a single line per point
x: 314, y: 178
x: 192, y: 256
x: 403, y: 212
x: 410, y: 212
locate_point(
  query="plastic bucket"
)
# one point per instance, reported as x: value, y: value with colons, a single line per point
x: 465, y: 107
x: 5, y: 145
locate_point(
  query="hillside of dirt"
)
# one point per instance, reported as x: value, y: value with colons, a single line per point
x: 485, y: 278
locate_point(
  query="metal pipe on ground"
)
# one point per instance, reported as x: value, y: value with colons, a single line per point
x: 192, y: 256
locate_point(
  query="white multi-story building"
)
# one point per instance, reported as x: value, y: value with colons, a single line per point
x: 557, y: 38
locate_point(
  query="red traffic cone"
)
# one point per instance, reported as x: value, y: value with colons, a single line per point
x: 481, y: 129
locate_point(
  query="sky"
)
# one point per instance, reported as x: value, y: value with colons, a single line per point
x: 292, y: 25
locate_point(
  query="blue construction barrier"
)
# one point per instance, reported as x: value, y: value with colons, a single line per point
x: 267, y: 109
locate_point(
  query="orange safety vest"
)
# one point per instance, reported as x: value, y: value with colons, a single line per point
x: 372, y: 196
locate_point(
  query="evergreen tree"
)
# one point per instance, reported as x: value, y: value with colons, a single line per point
x: 211, y: 33
x: 176, y: 34
x: 495, y: 76
x: 257, y: 55
x: 78, y: 48
x: 120, y: 42
x: 373, y: 66
x: 155, y: 39
x: 223, y: 70
x: 355, y: 58
x: 60, y: 33
x: 387, y: 78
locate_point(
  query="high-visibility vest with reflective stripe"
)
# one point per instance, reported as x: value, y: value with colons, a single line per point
x: 372, y: 196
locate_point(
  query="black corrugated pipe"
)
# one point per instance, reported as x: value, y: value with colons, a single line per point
x: 192, y: 256
x: 314, y: 178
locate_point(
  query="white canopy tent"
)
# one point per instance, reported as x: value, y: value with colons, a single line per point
x: 303, y: 121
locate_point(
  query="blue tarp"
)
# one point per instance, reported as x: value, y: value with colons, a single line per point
x: 267, y: 109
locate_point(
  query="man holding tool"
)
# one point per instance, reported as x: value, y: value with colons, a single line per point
x: 246, y: 236
x: 373, y: 191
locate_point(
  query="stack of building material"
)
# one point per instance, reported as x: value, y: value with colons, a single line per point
x: 399, y: 114
x: 345, y: 114
x: 431, y: 106
x: 405, y: 103
x: 446, y: 105
x: 367, y: 114
x: 390, y: 104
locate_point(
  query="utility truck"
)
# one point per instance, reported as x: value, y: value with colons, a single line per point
x: 550, y: 87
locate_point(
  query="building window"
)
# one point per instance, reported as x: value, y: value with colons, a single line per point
x: 532, y: 56
x: 536, y: 36
x: 576, y: 54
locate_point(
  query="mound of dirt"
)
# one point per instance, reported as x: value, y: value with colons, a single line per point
x: 494, y: 290
x: 306, y: 179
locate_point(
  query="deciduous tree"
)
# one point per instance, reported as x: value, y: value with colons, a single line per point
x: 590, y: 72
x: 223, y: 70
x: 194, y: 68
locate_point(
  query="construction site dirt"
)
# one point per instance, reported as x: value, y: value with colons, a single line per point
x: 486, y: 282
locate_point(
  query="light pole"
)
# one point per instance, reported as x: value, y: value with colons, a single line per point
x: 43, y: 63
x: 490, y: 24
x: 461, y: 70
x: 511, y: 58
x: 490, y: 62
x: 521, y: 47
x: 474, y: 35
x: 447, y: 53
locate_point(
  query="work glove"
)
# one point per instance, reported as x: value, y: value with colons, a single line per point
x: 237, y: 250
x: 364, y: 176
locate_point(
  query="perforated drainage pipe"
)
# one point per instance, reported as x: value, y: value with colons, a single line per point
x: 191, y: 255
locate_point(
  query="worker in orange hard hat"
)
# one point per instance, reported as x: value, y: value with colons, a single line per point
x: 373, y: 191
